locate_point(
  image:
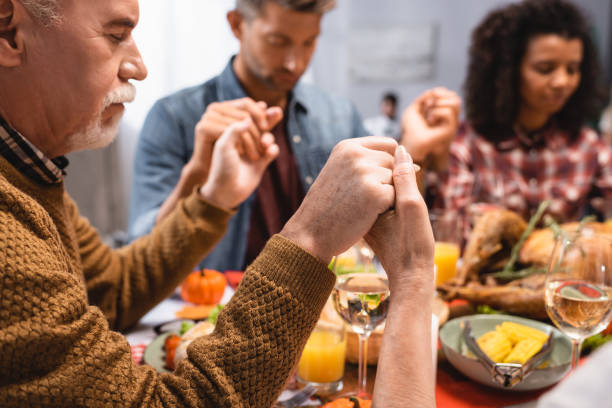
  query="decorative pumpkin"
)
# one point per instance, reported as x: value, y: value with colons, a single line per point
x: 203, y: 287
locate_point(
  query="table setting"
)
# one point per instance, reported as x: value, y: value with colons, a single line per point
x: 487, y: 352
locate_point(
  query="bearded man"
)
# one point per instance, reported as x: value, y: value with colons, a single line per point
x: 65, y: 67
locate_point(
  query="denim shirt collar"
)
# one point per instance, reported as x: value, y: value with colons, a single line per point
x: 230, y: 88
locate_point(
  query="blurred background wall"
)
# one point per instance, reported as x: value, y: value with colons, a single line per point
x: 186, y: 42
x: 453, y: 21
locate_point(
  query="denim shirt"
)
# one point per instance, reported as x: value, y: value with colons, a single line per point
x: 316, y: 122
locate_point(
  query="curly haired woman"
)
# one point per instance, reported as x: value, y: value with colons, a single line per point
x: 531, y: 86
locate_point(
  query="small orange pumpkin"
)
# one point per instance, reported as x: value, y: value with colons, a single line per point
x: 204, y: 287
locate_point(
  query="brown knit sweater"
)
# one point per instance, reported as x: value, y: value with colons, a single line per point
x: 62, y: 291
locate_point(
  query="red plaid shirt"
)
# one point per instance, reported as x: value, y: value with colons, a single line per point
x: 521, y: 172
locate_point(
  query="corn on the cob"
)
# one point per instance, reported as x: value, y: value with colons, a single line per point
x: 523, y: 351
x: 517, y: 332
x: 495, y: 344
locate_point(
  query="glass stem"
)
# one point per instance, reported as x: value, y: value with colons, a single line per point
x: 576, y: 345
x: 363, y: 365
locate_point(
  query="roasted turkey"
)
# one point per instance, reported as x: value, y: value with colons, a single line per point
x: 488, y: 249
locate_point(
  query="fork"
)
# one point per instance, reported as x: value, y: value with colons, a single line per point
x: 298, y: 398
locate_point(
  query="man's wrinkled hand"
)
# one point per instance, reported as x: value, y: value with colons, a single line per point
x: 352, y: 190
x: 402, y: 238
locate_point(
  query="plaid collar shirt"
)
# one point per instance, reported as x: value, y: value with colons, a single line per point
x: 520, y: 173
x: 28, y: 159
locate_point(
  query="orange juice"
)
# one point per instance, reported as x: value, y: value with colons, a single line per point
x: 445, y: 259
x: 323, y: 357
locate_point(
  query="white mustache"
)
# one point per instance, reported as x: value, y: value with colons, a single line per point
x: 126, y: 93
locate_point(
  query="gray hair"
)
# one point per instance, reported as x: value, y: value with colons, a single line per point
x: 251, y: 8
x: 46, y: 12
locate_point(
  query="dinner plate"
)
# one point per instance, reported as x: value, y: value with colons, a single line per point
x: 155, y: 355
x: 454, y: 347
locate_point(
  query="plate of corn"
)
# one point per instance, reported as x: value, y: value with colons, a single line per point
x: 507, y: 339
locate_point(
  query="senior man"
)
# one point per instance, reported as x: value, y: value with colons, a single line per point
x: 277, y: 40
x: 65, y: 67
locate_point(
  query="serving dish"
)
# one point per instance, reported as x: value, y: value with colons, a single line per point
x: 455, y: 349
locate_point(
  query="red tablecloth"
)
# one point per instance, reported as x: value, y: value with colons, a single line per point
x: 454, y: 390
x: 138, y: 352
x: 234, y: 278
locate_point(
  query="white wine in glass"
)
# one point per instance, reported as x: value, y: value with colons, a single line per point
x: 579, y: 285
x: 362, y: 300
x: 579, y: 308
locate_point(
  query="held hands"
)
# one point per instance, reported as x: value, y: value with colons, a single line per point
x: 352, y: 190
x: 351, y: 198
x: 402, y: 238
x: 218, y: 117
x: 234, y: 174
x: 430, y: 124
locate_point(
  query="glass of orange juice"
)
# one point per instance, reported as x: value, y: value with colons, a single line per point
x: 447, y: 227
x: 322, y: 361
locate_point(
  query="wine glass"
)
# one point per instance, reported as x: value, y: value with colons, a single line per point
x: 579, y: 285
x: 362, y: 301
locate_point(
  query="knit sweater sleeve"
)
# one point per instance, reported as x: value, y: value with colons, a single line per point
x: 57, y: 350
x: 128, y: 282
